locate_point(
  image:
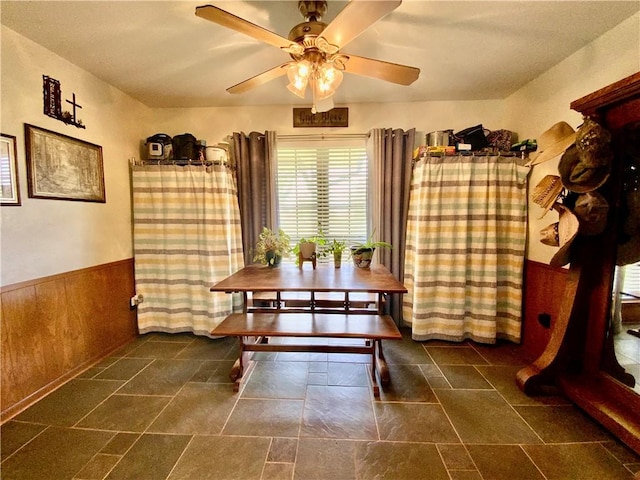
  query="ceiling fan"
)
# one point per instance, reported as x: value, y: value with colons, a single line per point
x: 315, y: 49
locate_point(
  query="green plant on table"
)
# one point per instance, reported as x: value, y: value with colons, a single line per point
x: 272, y: 247
x: 362, y: 253
x: 369, y: 244
x: 320, y: 242
x: 336, y: 246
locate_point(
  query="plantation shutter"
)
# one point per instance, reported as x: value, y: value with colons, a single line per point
x: 322, y: 188
x: 631, y: 285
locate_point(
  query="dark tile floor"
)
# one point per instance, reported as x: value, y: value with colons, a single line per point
x: 163, y: 408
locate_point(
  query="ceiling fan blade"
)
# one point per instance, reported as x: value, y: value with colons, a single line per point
x: 229, y: 20
x: 259, y: 79
x: 355, y: 18
x: 391, y: 72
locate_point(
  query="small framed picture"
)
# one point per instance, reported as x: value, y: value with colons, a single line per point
x: 10, y: 189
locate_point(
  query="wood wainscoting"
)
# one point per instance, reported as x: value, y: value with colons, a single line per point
x: 542, y: 297
x: 55, y: 327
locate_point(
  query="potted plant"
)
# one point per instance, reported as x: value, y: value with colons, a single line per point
x: 337, y: 247
x: 363, y: 252
x: 307, y: 249
x: 271, y: 247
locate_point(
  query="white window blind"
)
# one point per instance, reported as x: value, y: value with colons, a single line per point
x: 322, y: 187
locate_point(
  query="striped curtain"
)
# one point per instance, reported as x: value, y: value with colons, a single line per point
x: 466, y: 235
x: 186, y: 235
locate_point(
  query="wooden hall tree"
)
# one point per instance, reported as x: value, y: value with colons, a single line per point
x: 580, y: 357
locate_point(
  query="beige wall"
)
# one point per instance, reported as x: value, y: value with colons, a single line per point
x: 545, y: 101
x: 213, y: 124
x: 46, y: 237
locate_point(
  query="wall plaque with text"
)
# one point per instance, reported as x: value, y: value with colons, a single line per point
x: 336, y: 117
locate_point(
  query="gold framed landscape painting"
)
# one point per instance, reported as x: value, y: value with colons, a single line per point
x: 60, y: 167
x: 9, y: 187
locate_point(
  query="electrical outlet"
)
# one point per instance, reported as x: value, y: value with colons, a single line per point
x: 135, y: 301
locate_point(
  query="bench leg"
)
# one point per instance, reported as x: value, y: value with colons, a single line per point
x: 238, y: 366
x: 374, y: 378
x: 241, y: 365
x: 236, y: 370
x: 383, y: 368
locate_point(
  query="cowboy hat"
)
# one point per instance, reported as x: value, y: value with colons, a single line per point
x: 546, y: 192
x: 560, y: 234
x: 579, y: 175
x: 592, y: 142
x: 553, y: 142
x: 592, y: 209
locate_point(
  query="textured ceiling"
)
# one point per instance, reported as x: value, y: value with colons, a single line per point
x: 162, y: 54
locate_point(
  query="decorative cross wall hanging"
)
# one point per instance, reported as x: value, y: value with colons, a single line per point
x: 53, y: 106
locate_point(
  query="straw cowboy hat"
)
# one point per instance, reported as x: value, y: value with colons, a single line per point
x: 561, y: 234
x: 546, y: 192
x: 553, y: 142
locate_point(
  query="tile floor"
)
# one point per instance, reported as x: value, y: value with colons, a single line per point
x: 163, y: 408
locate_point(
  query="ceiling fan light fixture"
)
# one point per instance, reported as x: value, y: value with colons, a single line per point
x: 327, y: 80
x: 298, y: 74
x: 299, y: 70
x: 322, y: 77
x: 300, y: 92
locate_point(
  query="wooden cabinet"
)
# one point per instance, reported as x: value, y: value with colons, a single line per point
x: 579, y: 357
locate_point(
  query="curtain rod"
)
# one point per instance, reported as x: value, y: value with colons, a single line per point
x: 324, y: 136
x: 179, y: 162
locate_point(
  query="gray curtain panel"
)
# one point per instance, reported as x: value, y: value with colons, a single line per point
x: 391, y: 179
x: 253, y: 156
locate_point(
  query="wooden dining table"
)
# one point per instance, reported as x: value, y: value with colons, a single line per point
x: 328, y: 304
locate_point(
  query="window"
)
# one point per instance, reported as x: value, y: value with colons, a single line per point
x: 631, y: 284
x: 322, y: 187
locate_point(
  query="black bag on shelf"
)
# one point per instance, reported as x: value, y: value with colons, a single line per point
x: 501, y: 140
x: 474, y: 136
x: 185, y: 147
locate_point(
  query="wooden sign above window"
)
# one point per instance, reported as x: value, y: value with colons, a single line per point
x: 336, y: 117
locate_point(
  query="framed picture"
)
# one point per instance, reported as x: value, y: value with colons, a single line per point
x: 63, y: 168
x: 9, y: 187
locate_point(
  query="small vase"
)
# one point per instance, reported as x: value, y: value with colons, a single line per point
x: 273, y: 259
x: 362, y: 256
x: 337, y: 259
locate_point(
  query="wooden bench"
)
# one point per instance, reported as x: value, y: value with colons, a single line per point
x: 253, y: 329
